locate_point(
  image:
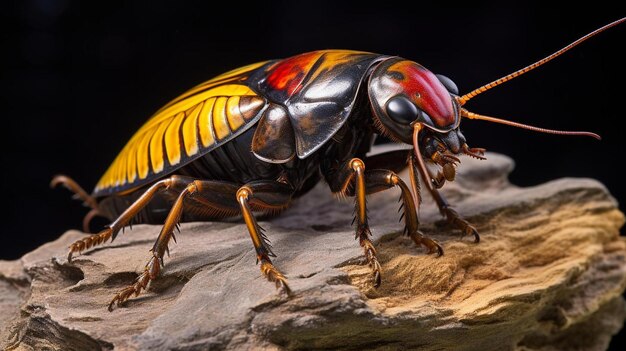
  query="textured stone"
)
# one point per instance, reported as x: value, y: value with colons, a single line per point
x: 547, y: 275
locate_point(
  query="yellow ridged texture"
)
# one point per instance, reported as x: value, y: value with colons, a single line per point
x: 228, y: 77
x: 233, y: 114
x: 220, y: 120
x: 142, y: 156
x: 190, y: 130
x: 205, y: 113
x: 114, y: 176
x: 131, y: 167
x: 121, y: 173
x: 172, y: 139
x: 204, y: 123
x: 156, y: 148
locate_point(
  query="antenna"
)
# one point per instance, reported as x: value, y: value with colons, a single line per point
x: 465, y: 98
x: 472, y: 115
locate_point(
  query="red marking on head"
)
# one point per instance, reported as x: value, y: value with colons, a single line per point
x: 288, y: 74
x: 426, y: 91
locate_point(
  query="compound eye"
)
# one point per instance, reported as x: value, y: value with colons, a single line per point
x: 401, y: 109
x: 448, y: 83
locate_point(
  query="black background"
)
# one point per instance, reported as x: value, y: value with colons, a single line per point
x: 78, y: 79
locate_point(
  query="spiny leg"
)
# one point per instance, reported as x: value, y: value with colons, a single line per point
x: 453, y: 217
x: 124, y: 219
x: 352, y: 173
x: 153, y: 268
x: 219, y: 198
x: 382, y: 175
x: 446, y: 210
x: 381, y: 179
x: 417, y: 165
x: 267, y: 196
x: 80, y: 194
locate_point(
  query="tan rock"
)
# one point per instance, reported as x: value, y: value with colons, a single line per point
x: 547, y: 275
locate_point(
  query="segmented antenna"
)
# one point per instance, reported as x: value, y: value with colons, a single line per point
x: 472, y: 115
x: 465, y: 98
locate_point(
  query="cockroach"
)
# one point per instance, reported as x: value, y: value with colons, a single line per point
x: 249, y: 141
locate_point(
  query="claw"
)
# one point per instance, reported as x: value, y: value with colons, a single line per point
x: 370, y: 254
x: 150, y: 272
x: 123, y: 296
x: 470, y: 230
x: 377, y: 279
x: 274, y: 275
x: 90, y: 241
x: 438, y: 249
x: 454, y: 219
x: 284, y: 288
x: 432, y: 246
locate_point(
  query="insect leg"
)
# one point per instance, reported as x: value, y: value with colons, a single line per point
x: 219, y: 191
x: 267, y: 196
x: 80, y: 194
x: 217, y: 197
x: 113, y: 229
x: 350, y: 180
x: 381, y: 179
x: 451, y: 215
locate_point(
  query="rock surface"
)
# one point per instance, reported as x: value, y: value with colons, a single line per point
x: 547, y: 275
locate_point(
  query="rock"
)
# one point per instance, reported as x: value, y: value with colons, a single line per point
x: 547, y: 275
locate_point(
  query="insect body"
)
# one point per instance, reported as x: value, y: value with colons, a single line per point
x: 249, y: 141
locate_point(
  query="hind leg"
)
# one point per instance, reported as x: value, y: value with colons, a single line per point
x: 79, y: 194
x: 224, y: 198
x: 172, y: 183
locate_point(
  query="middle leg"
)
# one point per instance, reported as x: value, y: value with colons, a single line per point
x: 349, y: 179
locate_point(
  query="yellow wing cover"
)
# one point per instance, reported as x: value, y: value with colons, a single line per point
x: 196, y: 122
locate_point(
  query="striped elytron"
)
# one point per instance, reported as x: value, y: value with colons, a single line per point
x: 254, y: 138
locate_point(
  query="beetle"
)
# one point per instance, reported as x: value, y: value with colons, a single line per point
x: 249, y: 141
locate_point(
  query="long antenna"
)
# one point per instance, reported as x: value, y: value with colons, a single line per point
x: 465, y: 98
x: 472, y: 115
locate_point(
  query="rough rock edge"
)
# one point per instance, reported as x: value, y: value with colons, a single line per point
x: 569, y: 324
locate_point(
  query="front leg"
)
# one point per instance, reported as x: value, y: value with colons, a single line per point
x: 453, y: 217
x: 396, y: 160
x: 417, y: 165
x: 448, y: 164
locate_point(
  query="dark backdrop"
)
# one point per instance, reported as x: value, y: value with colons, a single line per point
x: 79, y: 79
